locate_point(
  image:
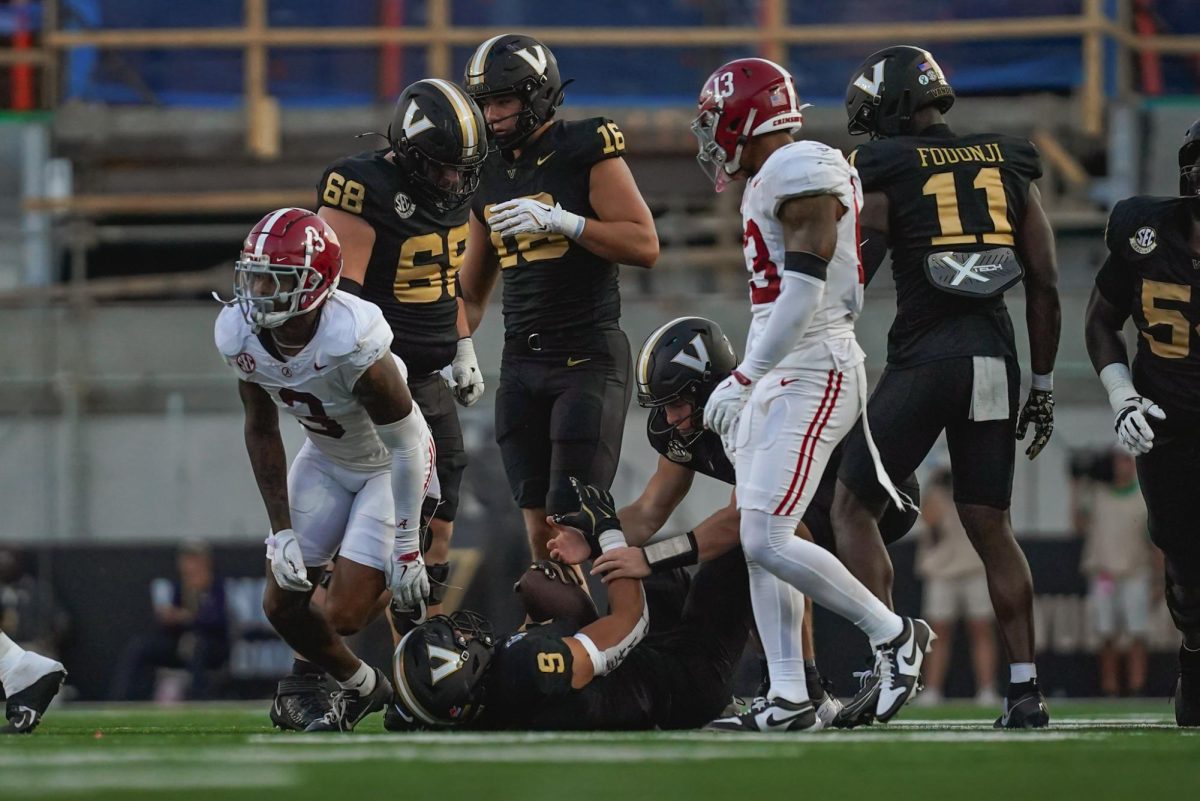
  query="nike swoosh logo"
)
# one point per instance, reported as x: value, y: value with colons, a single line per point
x: 909, y: 663
x: 783, y: 382
x: 319, y: 367
x: 543, y: 159
x: 571, y: 362
x: 404, y: 715
x: 767, y: 720
x: 27, y: 719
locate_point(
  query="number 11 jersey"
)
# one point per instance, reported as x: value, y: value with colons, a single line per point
x: 947, y: 193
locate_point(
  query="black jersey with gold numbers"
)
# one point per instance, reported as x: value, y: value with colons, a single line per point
x: 1153, y: 274
x: 551, y: 283
x: 962, y: 194
x: 412, y: 272
x: 528, y: 670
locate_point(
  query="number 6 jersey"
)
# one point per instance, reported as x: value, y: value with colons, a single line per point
x: 948, y: 195
x: 316, y: 386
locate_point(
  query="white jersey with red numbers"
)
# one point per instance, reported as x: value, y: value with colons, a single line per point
x: 316, y: 385
x: 803, y: 169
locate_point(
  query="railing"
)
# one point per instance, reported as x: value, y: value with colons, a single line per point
x: 772, y: 35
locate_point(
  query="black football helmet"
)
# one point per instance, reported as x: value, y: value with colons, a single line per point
x: 684, y: 359
x: 1189, y: 173
x: 439, y: 142
x: 889, y: 86
x: 515, y: 64
x: 438, y: 668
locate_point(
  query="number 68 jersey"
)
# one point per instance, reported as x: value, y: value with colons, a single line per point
x: 316, y: 386
x: 803, y: 169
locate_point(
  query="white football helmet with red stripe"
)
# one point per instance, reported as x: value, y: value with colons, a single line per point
x: 290, y: 262
x: 744, y: 98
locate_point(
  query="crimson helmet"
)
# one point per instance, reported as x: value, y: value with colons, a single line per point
x: 300, y: 256
x: 741, y: 99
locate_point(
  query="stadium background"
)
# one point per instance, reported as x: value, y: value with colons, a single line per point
x: 142, y: 138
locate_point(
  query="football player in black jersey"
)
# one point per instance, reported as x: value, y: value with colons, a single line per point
x: 557, y: 208
x: 677, y: 368
x: 964, y: 222
x: 400, y: 213
x: 451, y: 671
x: 1151, y: 274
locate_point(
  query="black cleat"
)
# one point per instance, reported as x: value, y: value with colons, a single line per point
x: 1028, y: 711
x: 348, y: 708
x: 777, y: 715
x: 396, y: 717
x: 25, y: 708
x: 299, y: 700
x: 1187, y: 689
x: 860, y: 710
x: 899, y: 667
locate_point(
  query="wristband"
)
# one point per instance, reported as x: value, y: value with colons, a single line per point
x: 678, y: 551
x: 612, y: 539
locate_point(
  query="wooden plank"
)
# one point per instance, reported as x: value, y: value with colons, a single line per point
x: 438, y: 64
x: 238, y: 201
x: 261, y: 111
x: 1092, y: 100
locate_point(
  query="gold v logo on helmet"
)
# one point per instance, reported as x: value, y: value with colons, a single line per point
x: 872, y: 85
x: 535, y: 57
x: 699, y: 362
x: 443, y: 662
x: 412, y: 126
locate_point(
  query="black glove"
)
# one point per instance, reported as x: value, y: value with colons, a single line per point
x: 597, y: 514
x: 1039, y: 410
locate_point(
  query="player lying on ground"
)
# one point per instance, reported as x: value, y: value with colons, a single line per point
x: 676, y: 370
x: 357, y: 484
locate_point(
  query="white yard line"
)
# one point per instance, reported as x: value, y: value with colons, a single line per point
x: 16, y: 781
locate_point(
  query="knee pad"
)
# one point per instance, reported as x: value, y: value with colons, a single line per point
x: 1184, y: 603
x: 438, y: 586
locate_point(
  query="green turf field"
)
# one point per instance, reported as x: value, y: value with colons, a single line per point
x: 1094, y: 751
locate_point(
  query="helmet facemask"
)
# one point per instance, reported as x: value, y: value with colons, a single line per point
x: 713, y: 157
x: 290, y: 284
x: 445, y: 186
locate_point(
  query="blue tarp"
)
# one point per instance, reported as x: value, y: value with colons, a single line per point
x: 633, y: 75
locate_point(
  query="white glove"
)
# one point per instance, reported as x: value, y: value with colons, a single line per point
x: 287, y: 563
x: 723, y: 406
x: 1133, y: 429
x: 406, y: 577
x: 468, y: 381
x: 524, y: 215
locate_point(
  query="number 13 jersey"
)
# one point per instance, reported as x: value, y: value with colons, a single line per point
x: 805, y: 169
x: 947, y: 193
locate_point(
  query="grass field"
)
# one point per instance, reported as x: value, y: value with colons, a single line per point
x: 1094, y: 751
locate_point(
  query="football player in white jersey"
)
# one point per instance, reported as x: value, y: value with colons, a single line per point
x: 357, y: 484
x: 800, y: 387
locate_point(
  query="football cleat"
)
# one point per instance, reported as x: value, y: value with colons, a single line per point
x: 829, y: 708
x: 899, y: 667
x: 1187, y: 689
x: 348, y: 708
x: 1028, y: 711
x: 860, y: 710
x: 770, y: 716
x: 26, y: 707
x: 299, y: 701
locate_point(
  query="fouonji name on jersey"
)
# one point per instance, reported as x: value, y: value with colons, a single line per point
x: 803, y: 169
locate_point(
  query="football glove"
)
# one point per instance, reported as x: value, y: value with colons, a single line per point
x: 287, y: 563
x: 1039, y: 410
x: 597, y: 515
x: 1133, y: 426
x: 406, y: 577
x: 524, y: 215
x: 468, y: 381
x: 726, y: 402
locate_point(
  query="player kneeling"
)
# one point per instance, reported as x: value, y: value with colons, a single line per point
x: 357, y: 484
